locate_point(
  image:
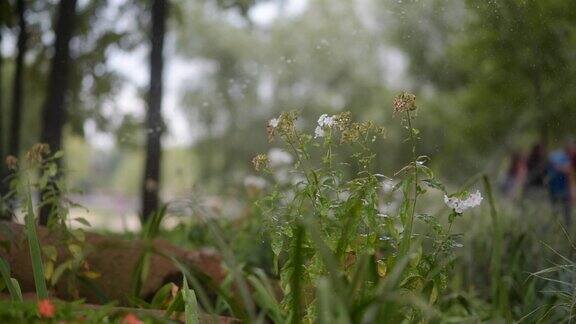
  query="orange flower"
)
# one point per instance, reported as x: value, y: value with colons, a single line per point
x: 46, y: 308
x: 131, y: 319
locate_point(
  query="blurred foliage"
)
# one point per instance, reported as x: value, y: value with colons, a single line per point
x: 499, y: 72
x: 494, y: 75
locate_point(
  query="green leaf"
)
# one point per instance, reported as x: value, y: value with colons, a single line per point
x: 176, y: 305
x: 82, y: 221
x: 78, y: 235
x: 50, y: 252
x: 75, y: 249
x: 434, y: 183
x: 264, y: 296
x: 11, y: 283
x: 48, y: 270
x: 59, y: 271
x: 58, y: 154
x: 35, y: 252
x: 161, y: 296
x: 190, y: 304
x: 138, y: 302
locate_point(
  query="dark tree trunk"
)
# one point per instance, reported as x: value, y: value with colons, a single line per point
x: 1, y: 110
x: 54, y: 109
x: 154, y: 123
x: 18, y: 83
x: 5, y: 213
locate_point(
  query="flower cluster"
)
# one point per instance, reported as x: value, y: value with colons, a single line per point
x: 260, y: 162
x: 283, y: 124
x: 460, y: 205
x: 404, y: 102
x: 38, y: 152
x: 324, y: 122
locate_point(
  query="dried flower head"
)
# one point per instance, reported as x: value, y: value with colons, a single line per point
x: 11, y: 162
x: 367, y: 130
x: 46, y: 308
x: 283, y: 125
x: 271, y: 128
x: 404, y: 102
x: 38, y: 152
x: 260, y: 162
x: 343, y: 120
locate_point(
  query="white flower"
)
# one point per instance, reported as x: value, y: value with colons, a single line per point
x: 326, y: 121
x: 474, y: 200
x: 274, y: 122
x: 278, y: 157
x: 319, y: 132
x: 459, y: 205
x: 254, y: 182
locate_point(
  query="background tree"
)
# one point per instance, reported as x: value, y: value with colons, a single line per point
x: 18, y: 81
x: 154, y: 122
x: 54, y: 111
x: 304, y: 62
x: 497, y: 72
x: 5, y: 17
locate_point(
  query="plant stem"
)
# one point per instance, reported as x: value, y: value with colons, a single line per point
x: 499, y: 290
x: 407, y: 239
x: 297, y: 272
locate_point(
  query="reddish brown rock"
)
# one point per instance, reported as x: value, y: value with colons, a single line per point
x: 114, y: 259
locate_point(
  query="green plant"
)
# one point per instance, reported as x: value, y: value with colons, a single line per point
x: 150, y: 231
x: 39, y: 172
x: 331, y: 237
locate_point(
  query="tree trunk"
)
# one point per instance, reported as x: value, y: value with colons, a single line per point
x: 1, y: 110
x: 4, y: 210
x: 54, y: 109
x: 18, y: 83
x: 154, y: 123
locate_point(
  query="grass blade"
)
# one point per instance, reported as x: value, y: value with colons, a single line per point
x: 190, y: 304
x: 264, y: 296
x: 35, y: 253
x: 11, y: 283
x: 297, y: 272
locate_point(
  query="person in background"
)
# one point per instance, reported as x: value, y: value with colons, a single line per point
x: 571, y: 151
x: 536, y: 165
x: 560, y: 176
x: 515, y: 176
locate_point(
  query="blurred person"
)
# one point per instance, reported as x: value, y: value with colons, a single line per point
x: 515, y: 176
x: 560, y: 181
x: 571, y: 151
x: 536, y: 165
